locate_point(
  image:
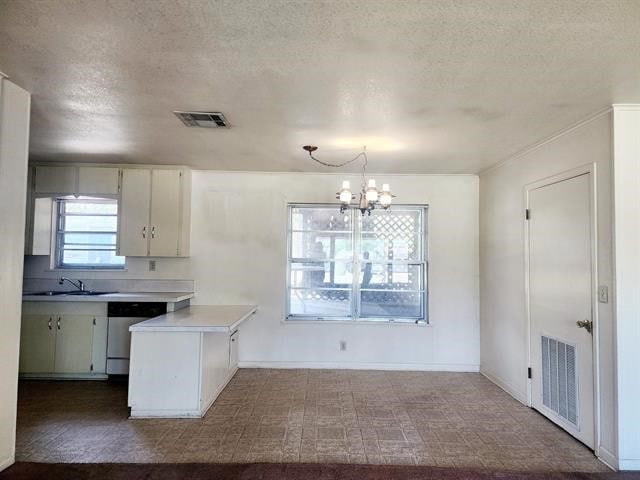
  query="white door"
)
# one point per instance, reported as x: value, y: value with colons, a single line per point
x: 74, y: 343
x: 37, y: 343
x: 133, y: 233
x: 560, y: 295
x: 165, y: 213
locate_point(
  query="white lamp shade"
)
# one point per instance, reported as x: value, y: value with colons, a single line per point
x: 346, y: 185
x: 385, y: 199
x: 372, y: 194
x: 345, y: 196
x: 372, y: 183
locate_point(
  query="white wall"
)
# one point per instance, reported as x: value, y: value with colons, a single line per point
x: 502, y: 294
x: 14, y: 139
x: 626, y: 152
x: 239, y: 256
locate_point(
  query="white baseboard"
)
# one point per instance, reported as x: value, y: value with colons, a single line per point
x: 629, y: 464
x: 608, y: 458
x: 431, y: 367
x: 515, y: 393
x: 7, y: 462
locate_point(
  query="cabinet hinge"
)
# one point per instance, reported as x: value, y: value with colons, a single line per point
x: 527, y: 214
x: 529, y: 372
x: 91, y: 368
x: 94, y: 321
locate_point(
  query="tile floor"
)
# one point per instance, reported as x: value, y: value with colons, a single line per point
x: 338, y: 416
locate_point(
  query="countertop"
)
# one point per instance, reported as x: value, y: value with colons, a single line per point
x: 164, y: 297
x: 198, y: 318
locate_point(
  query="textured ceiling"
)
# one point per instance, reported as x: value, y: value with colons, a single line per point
x: 429, y: 86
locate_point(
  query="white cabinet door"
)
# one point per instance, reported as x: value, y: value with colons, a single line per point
x: 55, y: 180
x: 42, y: 223
x: 165, y: 213
x: 98, y: 180
x: 74, y: 342
x: 233, y: 350
x: 133, y: 233
x: 37, y: 343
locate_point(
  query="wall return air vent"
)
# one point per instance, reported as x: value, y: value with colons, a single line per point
x: 202, y: 119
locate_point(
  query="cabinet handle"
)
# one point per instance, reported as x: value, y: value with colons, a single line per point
x: 49, y: 324
x: 153, y: 232
x: 58, y: 323
x: 144, y: 232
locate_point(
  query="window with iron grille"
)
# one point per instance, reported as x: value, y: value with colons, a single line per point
x: 86, y: 231
x: 353, y: 267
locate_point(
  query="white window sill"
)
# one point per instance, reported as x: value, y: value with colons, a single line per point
x: 87, y: 270
x: 397, y: 323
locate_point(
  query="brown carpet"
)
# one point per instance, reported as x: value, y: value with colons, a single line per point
x: 277, y: 471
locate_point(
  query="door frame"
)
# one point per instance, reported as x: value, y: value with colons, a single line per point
x: 589, y: 168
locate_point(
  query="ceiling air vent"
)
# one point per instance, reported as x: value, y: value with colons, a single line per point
x: 203, y: 119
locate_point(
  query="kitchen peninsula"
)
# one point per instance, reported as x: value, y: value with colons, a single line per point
x: 181, y: 361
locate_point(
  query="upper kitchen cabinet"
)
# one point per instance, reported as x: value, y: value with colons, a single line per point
x: 55, y: 180
x: 75, y: 180
x: 98, y: 180
x: 155, y: 212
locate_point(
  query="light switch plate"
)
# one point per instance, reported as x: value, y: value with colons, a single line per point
x: 152, y: 265
x: 603, y: 294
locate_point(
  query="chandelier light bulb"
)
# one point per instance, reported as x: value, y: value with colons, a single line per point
x: 372, y: 191
x: 385, y: 196
x: 345, y: 193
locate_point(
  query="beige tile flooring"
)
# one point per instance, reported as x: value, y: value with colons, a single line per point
x: 342, y: 416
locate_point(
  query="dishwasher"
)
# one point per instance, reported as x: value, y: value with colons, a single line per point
x: 121, y: 316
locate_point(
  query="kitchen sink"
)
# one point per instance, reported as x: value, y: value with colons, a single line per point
x: 88, y: 292
x: 53, y: 293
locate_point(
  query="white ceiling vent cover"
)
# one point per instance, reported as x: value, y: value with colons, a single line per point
x: 202, y: 119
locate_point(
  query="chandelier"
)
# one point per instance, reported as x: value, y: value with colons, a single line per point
x: 370, y: 196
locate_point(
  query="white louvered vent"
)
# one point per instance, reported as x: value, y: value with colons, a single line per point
x: 202, y: 119
x: 559, y: 382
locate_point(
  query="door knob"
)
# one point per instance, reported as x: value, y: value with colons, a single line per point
x: 586, y: 324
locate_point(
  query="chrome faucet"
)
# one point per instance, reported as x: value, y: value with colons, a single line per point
x: 79, y: 285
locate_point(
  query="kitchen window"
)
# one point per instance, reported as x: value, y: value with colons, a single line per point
x: 353, y: 267
x: 86, y: 231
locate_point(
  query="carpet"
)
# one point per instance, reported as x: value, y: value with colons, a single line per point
x: 277, y: 471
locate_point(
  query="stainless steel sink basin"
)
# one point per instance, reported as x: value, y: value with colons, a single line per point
x: 53, y: 293
x: 88, y: 292
x: 46, y: 294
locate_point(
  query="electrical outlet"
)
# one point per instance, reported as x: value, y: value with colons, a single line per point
x: 343, y: 345
x: 603, y: 294
x: 152, y: 265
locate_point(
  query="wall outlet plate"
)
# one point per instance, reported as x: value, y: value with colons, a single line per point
x: 343, y: 345
x: 152, y: 265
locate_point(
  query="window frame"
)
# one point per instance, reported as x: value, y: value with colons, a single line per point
x: 58, y: 253
x: 355, y: 289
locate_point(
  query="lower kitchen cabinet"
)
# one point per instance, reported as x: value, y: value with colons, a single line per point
x: 37, y: 343
x: 68, y: 342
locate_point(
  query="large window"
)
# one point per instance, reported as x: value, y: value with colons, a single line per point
x: 86, y: 231
x: 353, y: 267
